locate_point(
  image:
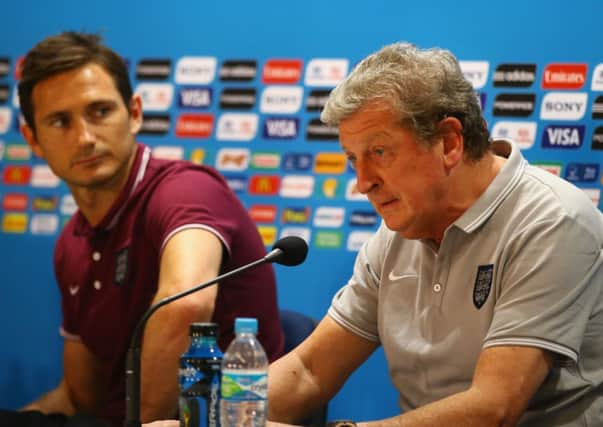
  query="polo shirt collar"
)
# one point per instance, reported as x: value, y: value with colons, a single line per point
x: 499, y: 188
x: 83, y: 228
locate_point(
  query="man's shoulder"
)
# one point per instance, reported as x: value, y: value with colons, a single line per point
x: 166, y: 170
x: 168, y: 180
x: 556, y: 195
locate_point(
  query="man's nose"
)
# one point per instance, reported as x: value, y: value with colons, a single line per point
x: 83, y: 131
x: 366, y: 176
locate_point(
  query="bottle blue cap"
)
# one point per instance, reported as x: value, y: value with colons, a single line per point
x: 246, y: 324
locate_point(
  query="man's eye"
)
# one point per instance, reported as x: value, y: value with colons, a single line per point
x: 101, y: 111
x: 58, y: 122
x: 379, y: 151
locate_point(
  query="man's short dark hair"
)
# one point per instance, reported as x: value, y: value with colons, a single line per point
x: 65, y: 52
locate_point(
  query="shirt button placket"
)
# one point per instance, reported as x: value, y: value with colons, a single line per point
x: 437, y: 293
x: 96, y: 257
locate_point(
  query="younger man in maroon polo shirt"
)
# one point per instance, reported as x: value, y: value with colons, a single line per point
x: 145, y: 229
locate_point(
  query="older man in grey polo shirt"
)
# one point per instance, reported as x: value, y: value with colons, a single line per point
x: 484, y: 282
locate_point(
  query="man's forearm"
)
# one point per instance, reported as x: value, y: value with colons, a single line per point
x: 56, y: 400
x: 292, y: 392
x: 165, y: 339
x: 467, y: 409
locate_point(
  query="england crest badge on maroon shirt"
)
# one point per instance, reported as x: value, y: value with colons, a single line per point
x: 483, y: 284
x: 121, y: 266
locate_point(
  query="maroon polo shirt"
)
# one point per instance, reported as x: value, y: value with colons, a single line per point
x: 108, y: 274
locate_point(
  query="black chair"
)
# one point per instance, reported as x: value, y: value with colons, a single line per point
x: 296, y: 327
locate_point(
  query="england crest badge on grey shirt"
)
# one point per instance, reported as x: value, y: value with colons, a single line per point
x: 483, y: 284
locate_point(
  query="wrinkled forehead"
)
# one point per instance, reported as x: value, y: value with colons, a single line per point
x: 369, y: 125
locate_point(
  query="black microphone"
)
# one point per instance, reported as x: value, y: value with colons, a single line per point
x: 290, y: 250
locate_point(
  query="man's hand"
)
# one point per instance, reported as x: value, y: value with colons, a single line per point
x: 175, y: 423
x: 166, y: 423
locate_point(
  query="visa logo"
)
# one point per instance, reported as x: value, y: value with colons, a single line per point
x: 563, y: 136
x: 194, y: 97
x: 281, y: 128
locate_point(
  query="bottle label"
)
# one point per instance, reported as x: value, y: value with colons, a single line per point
x: 197, y: 412
x: 199, y: 392
x: 241, y: 385
x: 196, y: 375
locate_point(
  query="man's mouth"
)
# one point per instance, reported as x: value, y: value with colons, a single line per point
x: 89, y: 160
x: 387, y: 203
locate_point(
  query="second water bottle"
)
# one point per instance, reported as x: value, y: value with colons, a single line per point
x: 244, y: 379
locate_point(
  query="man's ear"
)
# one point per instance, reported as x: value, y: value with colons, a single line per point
x: 135, y: 113
x: 453, y: 143
x: 30, y: 137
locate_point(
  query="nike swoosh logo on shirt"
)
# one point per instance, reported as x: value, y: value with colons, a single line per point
x: 73, y: 290
x: 394, y: 277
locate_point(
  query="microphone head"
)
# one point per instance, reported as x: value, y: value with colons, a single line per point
x: 290, y: 250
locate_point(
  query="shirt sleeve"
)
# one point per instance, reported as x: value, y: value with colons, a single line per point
x: 551, y: 286
x: 192, y: 198
x: 355, y: 305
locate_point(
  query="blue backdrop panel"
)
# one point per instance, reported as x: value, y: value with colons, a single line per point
x: 549, y: 41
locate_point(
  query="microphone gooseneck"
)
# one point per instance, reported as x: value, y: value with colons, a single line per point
x: 290, y: 251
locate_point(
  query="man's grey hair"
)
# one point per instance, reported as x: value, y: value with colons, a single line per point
x: 422, y: 86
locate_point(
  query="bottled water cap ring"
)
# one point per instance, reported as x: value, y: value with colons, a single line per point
x: 246, y: 324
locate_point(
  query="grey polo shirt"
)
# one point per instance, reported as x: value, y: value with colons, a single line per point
x: 522, y: 266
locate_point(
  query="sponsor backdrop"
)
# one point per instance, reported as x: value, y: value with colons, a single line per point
x: 240, y: 86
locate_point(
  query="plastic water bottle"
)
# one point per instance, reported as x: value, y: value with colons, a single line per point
x: 244, y: 379
x: 199, y: 378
